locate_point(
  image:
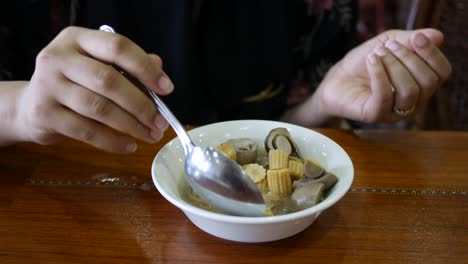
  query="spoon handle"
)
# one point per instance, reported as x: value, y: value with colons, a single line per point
x: 160, y: 105
x: 172, y: 120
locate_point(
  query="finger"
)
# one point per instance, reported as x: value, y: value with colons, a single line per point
x: 91, y: 132
x: 103, y: 110
x: 156, y: 59
x: 107, y: 81
x: 380, y: 104
x: 426, y: 78
x: 434, y: 35
x: 404, y: 36
x: 406, y: 88
x: 431, y: 55
x: 116, y: 49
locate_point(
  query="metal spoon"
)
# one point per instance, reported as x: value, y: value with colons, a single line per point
x: 214, y: 177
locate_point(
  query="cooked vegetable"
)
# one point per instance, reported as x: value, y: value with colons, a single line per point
x: 262, y: 159
x: 280, y: 138
x: 311, y: 170
x: 255, y: 171
x: 279, y: 181
x: 277, y: 159
x: 246, y: 150
x: 227, y: 150
x: 296, y: 169
x: 308, y: 194
x: 329, y: 179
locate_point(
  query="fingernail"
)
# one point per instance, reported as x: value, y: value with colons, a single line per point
x: 380, y: 51
x: 392, y: 45
x: 372, y: 58
x: 166, y: 84
x: 161, y: 123
x: 131, y: 147
x: 156, y: 134
x: 420, y: 40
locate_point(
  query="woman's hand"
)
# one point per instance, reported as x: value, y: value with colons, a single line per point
x: 76, y: 92
x: 386, y: 79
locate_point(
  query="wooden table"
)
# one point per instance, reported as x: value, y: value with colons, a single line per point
x: 72, y: 204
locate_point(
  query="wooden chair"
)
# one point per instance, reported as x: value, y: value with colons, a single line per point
x: 448, y: 109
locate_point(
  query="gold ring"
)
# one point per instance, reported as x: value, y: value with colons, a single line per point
x: 403, y: 113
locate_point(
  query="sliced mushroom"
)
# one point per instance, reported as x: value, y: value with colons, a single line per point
x: 272, y: 134
x: 329, y: 179
x: 311, y: 170
x: 263, y: 160
x: 296, y: 159
x: 298, y: 183
x: 308, y: 195
x: 282, y: 142
x: 246, y: 150
x: 280, y: 138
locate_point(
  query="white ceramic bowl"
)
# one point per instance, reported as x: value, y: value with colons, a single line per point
x: 168, y: 176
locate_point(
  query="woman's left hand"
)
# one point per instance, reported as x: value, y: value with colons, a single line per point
x: 385, y: 79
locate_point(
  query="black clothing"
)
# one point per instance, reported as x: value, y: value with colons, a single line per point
x: 227, y: 59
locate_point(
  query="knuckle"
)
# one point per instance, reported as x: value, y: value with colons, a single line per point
x: 447, y: 73
x: 382, y: 38
x: 404, y: 53
x: 99, y: 106
x: 68, y: 31
x: 409, y: 93
x: 145, y: 110
x: 118, y: 45
x: 86, y: 134
x: 431, y: 80
x: 106, y: 78
x: 148, y: 67
x: 46, y: 56
x: 137, y: 129
x: 158, y: 59
x: 43, y: 136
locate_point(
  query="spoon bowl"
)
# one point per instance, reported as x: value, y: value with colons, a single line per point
x: 222, y: 183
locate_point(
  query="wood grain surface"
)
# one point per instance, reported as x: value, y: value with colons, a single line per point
x: 70, y: 203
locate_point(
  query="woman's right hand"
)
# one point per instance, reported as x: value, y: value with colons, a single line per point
x: 76, y: 92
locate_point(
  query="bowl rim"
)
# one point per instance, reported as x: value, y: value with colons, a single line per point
x: 187, y: 207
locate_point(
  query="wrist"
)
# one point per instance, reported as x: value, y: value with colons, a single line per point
x: 10, y: 121
x: 310, y: 113
x: 314, y: 111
